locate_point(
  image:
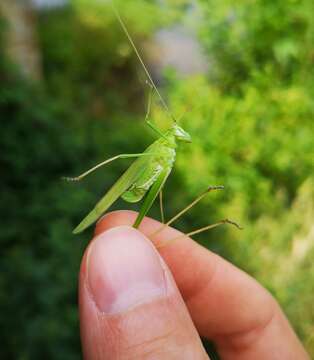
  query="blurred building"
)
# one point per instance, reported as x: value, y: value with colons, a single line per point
x: 178, y: 46
x: 48, y: 3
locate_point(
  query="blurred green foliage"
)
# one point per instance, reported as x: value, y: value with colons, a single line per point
x: 252, y: 38
x: 251, y: 118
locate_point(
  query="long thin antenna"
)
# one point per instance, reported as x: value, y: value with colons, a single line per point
x: 141, y: 60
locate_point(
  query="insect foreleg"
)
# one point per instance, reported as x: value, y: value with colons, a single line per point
x: 121, y: 156
x: 149, y: 105
x: 152, y: 126
x: 203, y: 229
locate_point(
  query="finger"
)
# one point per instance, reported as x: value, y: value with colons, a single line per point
x: 226, y: 305
x: 130, y: 307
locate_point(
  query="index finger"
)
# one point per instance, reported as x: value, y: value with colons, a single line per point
x: 226, y: 305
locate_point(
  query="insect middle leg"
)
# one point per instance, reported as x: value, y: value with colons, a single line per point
x: 121, y: 156
x: 161, y: 205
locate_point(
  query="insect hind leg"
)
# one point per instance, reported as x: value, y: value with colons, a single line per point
x: 199, y: 231
x: 187, y: 208
x: 121, y: 156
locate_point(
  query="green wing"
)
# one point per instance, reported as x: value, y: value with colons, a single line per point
x: 122, y: 184
x: 151, y: 196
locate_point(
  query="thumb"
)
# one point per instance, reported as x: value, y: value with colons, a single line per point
x: 130, y: 306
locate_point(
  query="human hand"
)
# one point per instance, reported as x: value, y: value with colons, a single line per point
x: 138, y: 303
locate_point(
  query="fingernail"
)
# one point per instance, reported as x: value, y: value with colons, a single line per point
x: 123, y: 270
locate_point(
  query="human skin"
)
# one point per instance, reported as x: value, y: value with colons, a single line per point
x: 139, y: 303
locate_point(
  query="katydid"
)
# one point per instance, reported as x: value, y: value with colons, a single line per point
x: 147, y: 175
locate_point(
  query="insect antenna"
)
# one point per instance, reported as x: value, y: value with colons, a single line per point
x: 164, y: 104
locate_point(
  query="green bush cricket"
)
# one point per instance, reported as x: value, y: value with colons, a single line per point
x: 147, y: 175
